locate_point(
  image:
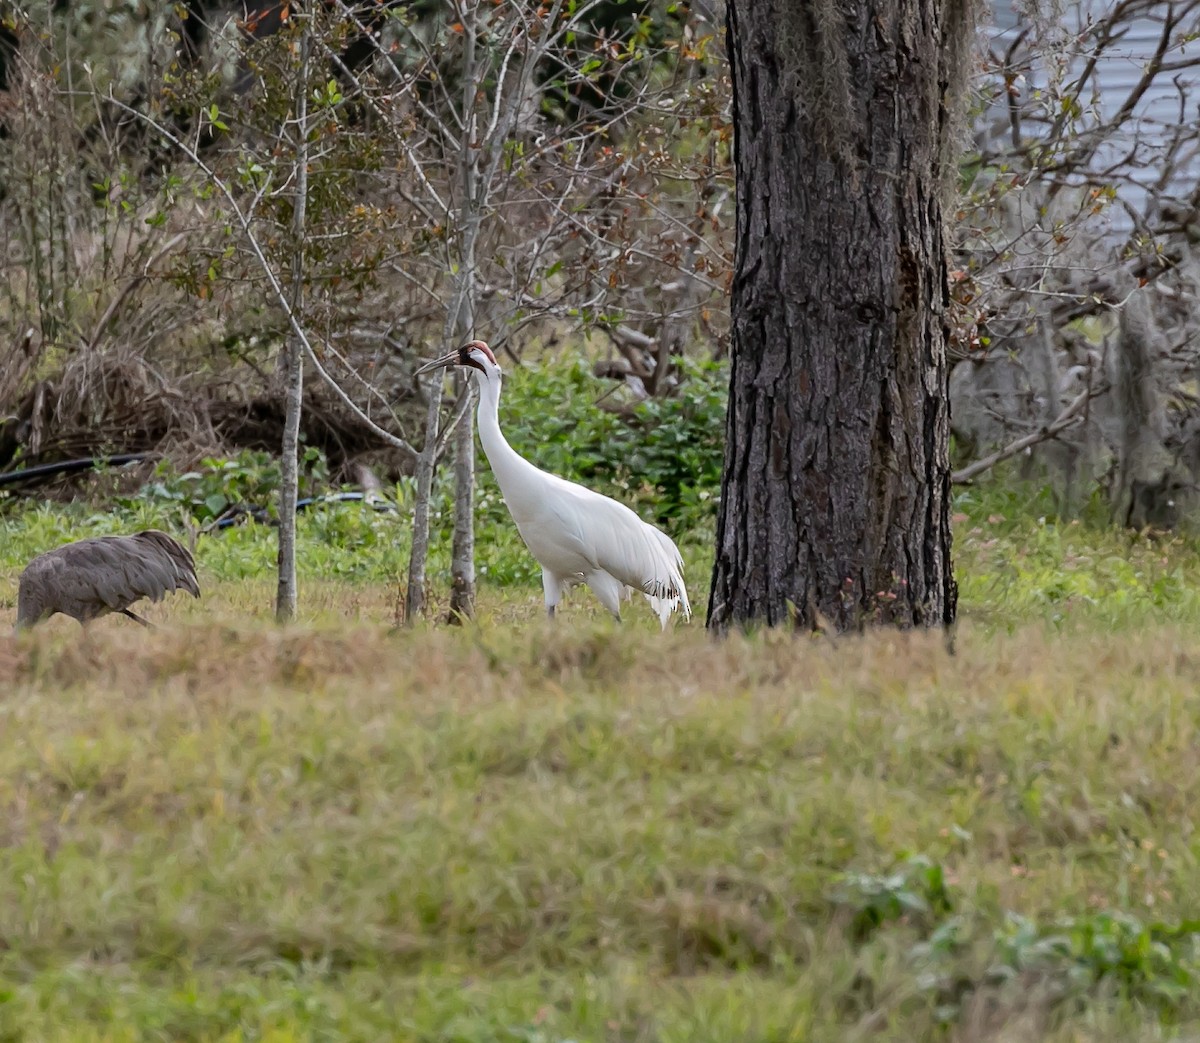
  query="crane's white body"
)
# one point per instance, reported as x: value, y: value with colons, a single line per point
x: 576, y: 535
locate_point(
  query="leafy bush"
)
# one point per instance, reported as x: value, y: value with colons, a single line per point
x: 1157, y: 964
x: 248, y: 479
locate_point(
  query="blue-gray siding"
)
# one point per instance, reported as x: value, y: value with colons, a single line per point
x: 1155, y: 116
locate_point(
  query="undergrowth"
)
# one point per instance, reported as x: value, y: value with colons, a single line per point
x: 663, y: 459
x: 1012, y: 566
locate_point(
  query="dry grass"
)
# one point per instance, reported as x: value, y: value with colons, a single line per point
x: 222, y: 830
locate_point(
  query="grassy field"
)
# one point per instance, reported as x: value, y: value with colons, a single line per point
x: 344, y: 830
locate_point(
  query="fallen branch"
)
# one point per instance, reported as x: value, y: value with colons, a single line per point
x: 1067, y: 418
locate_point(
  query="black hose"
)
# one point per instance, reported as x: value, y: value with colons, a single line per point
x: 259, y: 514
x: 70, y: 467
x: 43, y: 471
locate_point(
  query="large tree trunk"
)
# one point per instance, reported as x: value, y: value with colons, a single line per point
x: 835, y: 497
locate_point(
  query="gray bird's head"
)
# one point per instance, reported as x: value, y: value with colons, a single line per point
x: 474, y: 355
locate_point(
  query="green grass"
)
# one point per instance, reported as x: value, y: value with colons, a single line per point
x: 1015, y: 562
x: 222, y: 830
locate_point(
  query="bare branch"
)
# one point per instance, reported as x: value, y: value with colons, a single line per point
x: 268, y: 271
x: 1070, y: 416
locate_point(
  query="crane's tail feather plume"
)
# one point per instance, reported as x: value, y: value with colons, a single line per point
x: 665, y: 590
x: 663, y: 607
x: 176, y: 566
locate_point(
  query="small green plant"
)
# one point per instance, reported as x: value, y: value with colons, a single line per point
x: 915, y: 892
x: 1153, y: 963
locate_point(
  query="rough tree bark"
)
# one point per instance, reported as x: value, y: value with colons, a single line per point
x: 836, y: 492
x: 293, y: 358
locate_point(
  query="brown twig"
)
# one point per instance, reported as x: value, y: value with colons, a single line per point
x: 115, y: 304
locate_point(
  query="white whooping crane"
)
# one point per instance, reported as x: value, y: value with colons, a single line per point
x: 576, y: 535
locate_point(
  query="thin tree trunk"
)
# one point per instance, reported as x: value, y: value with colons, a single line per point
x: 286, y: 594
x: 836, y: 490
x: 462, y: 563
x: 481, y: 150
x: 461, y: 324
x: 414, y: 602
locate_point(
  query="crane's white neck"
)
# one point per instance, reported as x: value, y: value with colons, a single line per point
x: 507, y: 464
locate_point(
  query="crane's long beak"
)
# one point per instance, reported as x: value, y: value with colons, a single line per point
x: 446, y: 360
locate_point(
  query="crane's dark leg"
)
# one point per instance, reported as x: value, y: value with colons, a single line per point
x: 137, y: 619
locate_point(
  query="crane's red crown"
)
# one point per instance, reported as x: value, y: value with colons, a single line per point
x: 482, y: 346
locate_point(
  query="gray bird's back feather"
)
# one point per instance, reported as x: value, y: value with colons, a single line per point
x: 93, y: 577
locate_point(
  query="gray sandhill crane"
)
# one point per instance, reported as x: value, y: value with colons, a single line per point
x: 91, y: 578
